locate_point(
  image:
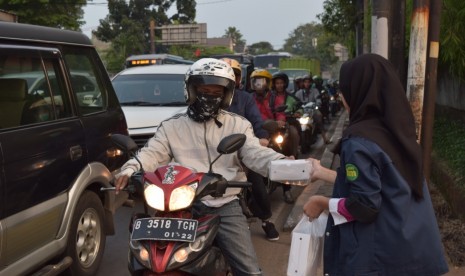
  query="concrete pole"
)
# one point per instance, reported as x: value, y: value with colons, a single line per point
x: 431, y: 86
x: 380, y: 28
x: 152, y: 36
x: 417, y: 60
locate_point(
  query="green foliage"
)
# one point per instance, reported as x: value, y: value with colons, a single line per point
x: 449, y: 145
x: 141, y: 12
x: 301, y: 42
x: 64, y: 14
x: 127, y: 26
x: 260, y: 48
x: 452, y: 49
x: 340, y: 18
x: 236, y: 37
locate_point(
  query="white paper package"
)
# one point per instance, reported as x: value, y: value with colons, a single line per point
x: 294, y: 172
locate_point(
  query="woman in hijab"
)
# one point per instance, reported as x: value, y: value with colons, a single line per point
x: 381, y: 217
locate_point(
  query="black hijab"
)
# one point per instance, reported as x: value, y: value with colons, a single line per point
x: 380, y: 112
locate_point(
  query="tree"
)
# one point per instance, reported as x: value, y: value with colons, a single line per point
x: 340, y: 18
x: 312, y: 42
x: 141, y: 12
x: 452, y: 50
x: 123, y: 44
x: 236, y: 37
x: 52, y: 13
x: 260, y: 48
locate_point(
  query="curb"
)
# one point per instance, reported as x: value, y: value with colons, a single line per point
x: 319, y: 187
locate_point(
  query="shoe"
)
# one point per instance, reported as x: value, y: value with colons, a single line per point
x: 270, y: 231
x: 288, y: 198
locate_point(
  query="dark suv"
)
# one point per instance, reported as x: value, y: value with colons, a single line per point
x: 57, y: 112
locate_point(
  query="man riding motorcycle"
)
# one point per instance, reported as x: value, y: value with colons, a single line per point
x: 311, y: 94
x: 324, y: 96
x: 184, y: 138
x: 267, y: 102
x: 244, y: 105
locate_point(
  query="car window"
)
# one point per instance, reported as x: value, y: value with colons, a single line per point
x: 150, y: 89
x: 87, y: 84
x: 30, y: 92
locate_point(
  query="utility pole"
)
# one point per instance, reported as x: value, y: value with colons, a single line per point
x: 359, y: 27
x: 431, y: 86
x: 380, y: 28
x: 152, y: 36
x: 417, y: 60
x: 366, y: 27
x: 397, y: 46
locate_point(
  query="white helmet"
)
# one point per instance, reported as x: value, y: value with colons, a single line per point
x: 209, y: 71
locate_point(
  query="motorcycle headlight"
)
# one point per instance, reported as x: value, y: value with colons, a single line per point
x: 154, y: 197
x: 303, y: 120
x: 279, y: 139
x: 182, y: 197
x: 332, y: 98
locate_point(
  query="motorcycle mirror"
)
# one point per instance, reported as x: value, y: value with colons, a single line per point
x: 229, y: 144
x: 270, y: 125
x: 124, y: 142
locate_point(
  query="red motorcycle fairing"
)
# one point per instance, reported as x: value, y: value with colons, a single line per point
x: 207, y: 261
x: 170, y: 177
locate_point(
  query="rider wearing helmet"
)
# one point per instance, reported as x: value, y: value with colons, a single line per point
x: 280, y: 96
x: 244, y: 104
x: 260, y: 81
x: 318, y: 82
x: 298, y: 84
x: 311, y: 94
x: 191, y: 139
x: 324, y: 96
x: 307, y: 93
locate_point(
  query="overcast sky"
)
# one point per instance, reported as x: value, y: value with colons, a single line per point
x: 257, y: 20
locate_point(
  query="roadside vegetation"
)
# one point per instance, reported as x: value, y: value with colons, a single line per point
x: 449, y: 182
x: 449, y: 146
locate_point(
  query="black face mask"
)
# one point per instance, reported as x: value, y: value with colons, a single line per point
x: 204, y: 108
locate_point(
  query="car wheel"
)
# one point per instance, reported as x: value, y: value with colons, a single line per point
x: 86, y: 242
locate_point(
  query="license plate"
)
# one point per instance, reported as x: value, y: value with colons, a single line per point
x: 169, y: 229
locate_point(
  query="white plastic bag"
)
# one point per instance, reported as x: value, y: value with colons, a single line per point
x: 306, y: 255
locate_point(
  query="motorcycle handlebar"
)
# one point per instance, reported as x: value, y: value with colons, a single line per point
x: 239, y: 184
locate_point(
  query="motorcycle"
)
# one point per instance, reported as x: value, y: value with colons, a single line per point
x: 324, y: 106
x: 278, y: 141
x: 335, y: 104
x: 309, y: 133
x: 167, y: 239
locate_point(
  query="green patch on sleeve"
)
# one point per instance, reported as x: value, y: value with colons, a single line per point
x: 351, y: 172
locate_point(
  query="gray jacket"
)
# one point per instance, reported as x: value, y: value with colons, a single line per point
x: 185, y: 141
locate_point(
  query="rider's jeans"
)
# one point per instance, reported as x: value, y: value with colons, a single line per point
x: 234, y: 238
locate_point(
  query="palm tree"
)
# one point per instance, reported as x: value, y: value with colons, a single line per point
x: 236, y: 37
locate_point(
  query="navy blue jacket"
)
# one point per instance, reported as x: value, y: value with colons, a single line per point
x: 244, y: 104
x: 402, y: 239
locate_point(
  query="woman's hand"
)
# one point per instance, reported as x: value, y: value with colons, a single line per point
x: 321, y: 173
x: 316, y: 169
x: 315, y: 206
